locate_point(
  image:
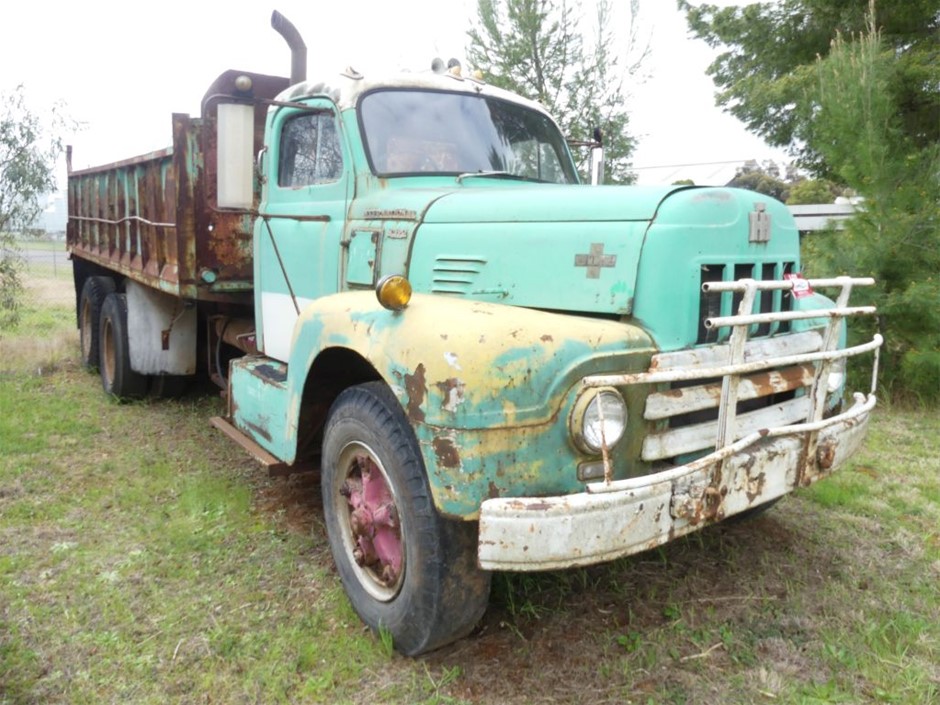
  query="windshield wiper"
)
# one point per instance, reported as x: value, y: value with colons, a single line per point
x: 494, y: 175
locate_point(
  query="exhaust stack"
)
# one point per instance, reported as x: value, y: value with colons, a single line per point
x: 298, y: 50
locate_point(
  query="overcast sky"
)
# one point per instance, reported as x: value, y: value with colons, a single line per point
x: 122, y: 68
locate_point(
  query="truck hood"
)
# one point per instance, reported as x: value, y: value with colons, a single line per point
x: 547, y: 203
x: 565, y: 248
x: 595, y: 250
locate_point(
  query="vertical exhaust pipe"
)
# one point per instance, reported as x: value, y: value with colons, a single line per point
x: 298, y: 50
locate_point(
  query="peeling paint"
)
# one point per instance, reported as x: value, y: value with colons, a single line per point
x: 451, y: 358
x: 446, y: 452
x: 452, y: 391
x: 416, y: 389
x: 755, y: 486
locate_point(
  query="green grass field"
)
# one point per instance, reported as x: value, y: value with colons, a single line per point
x: 146, y: 559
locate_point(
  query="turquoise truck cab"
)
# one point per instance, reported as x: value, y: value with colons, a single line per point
x: 492, y: 365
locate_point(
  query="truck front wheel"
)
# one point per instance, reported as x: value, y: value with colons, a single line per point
x: 117, y: 377
x: 405, y: 568
x: 90, y: 301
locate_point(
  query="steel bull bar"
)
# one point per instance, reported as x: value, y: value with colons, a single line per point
x: 754, y: 457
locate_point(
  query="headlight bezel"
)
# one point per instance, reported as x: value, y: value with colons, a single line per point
x: 585, y: 431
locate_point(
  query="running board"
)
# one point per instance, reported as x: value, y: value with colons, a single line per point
x: 275, y: 467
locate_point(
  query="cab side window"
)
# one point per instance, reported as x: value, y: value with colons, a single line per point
x: 309, y: 151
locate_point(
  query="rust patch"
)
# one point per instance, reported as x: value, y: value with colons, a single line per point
x: 825, y: 456
x: 259, y: 431
x: 452, y: 391
x: 538, y: 506
x: 446, y: 452
x: 755, y: 487
x: 493, y: 491
x: 416, y: 388
x: 547, y: 338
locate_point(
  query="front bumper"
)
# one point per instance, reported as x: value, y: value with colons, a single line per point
x: 619, y: 518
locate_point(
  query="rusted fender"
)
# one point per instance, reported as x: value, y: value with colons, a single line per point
x: 487, y: 387
x: 463, y: 364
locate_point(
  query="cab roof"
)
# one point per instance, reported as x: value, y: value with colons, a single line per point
x: 347, y: 87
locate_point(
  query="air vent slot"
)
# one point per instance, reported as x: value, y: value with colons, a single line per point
x: 456, y: 274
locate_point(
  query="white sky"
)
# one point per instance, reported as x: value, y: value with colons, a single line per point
x: 122, y: 68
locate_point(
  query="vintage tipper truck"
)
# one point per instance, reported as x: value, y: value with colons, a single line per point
x: 401, y: 281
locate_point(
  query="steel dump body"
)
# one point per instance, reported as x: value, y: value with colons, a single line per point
x: 151, y: 218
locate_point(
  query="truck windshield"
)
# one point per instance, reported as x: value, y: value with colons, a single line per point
x: 421, y: 132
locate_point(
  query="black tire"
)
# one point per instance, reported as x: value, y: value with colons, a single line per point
x: 94, y: 291
x: 437, y: 594
x: 117, y: 377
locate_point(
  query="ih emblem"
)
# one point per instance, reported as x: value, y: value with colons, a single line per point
x: 758, y: 224
x: 594, y: 260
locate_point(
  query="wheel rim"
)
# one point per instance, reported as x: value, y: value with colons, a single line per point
x: 367, y: 510
x: 86, y: 330
x: 108, y: 361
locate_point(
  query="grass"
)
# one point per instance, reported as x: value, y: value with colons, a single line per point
x: 46, y: 244
x: 145, y: 559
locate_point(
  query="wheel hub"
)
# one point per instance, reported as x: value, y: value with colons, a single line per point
x: 374, y: 522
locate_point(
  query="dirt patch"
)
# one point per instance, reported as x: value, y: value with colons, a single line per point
x: 668, y: 624
x: 684, y: 623
x: 294, y: 500
x: 671, y: 621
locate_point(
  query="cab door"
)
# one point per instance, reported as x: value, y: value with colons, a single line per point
x: 297, y: 234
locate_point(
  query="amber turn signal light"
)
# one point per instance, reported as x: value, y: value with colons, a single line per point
x: 393, y: 292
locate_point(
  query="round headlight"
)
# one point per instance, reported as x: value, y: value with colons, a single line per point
x: 598, y: 419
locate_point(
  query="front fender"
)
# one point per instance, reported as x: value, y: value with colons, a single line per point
x: 463, y: 364
x: 464, y: 367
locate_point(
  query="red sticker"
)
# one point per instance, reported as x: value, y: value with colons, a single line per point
x: 801, y: 287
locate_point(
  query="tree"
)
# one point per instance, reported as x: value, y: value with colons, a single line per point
x: 767, y: 64
x: 896, y: 236
x: 28, y: 156
x: 808, y: 191
x: 763, y: 179
x: 537, y: 48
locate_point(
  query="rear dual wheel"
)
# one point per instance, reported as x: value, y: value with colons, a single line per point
x: 90, y: 301
x: 405, y: 568
x: 105, y: 346
x: 117, y: 377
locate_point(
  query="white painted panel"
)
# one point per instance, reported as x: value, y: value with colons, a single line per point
x: 662, y: 405
x: 279, y: 316
x: 716, y: 355
x: 703, y: 436
x: 151, y: 312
